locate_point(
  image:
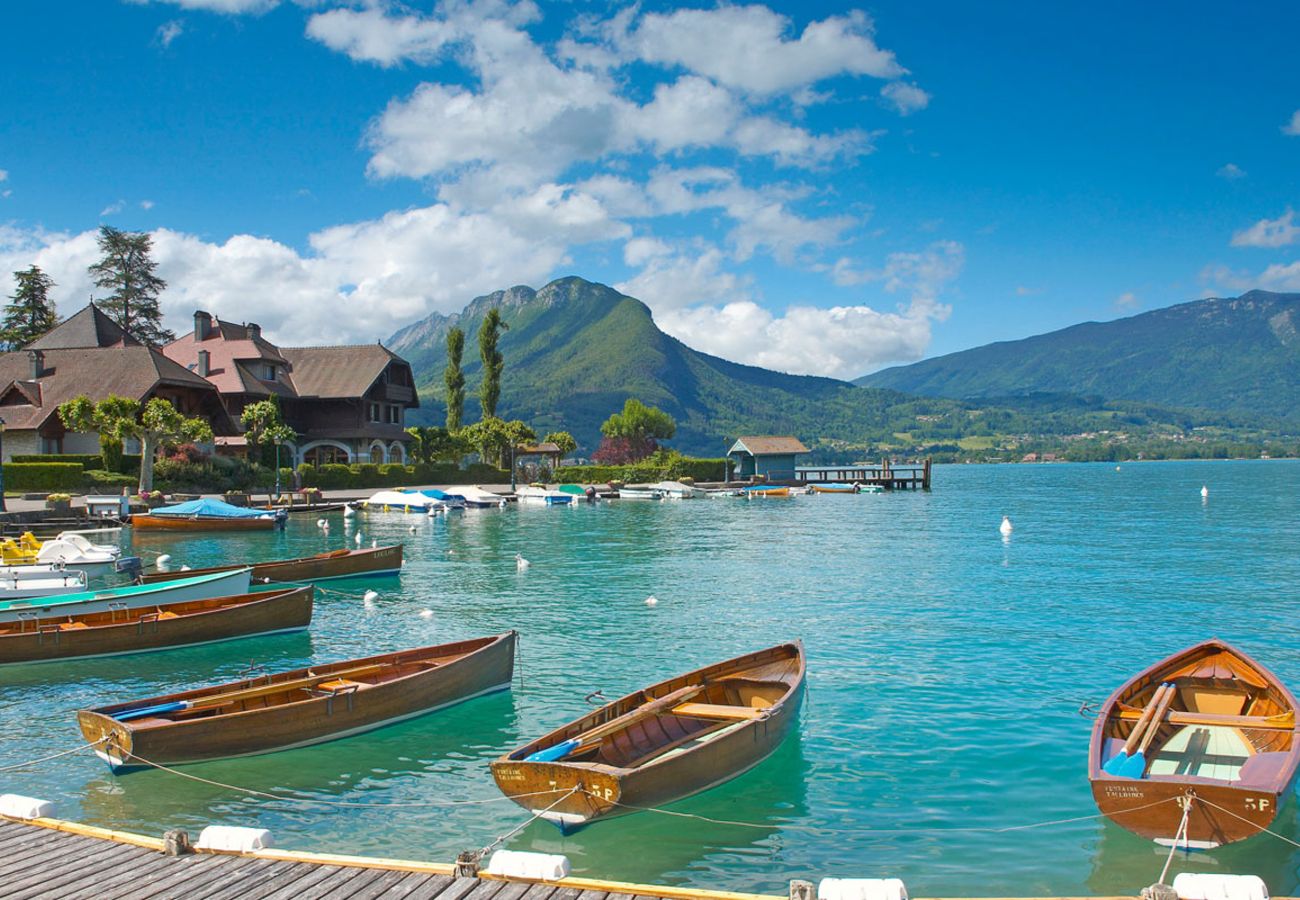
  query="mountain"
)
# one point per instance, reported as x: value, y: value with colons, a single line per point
x: 1237, y: 355
x: 575, y: 351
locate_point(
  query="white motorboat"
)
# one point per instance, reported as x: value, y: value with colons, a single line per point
x: 639, y: 492
x: 19, y: 582
x: 475, y: 497
x: 532, y: 493
x: 399, y: 501
x: 677, y: 490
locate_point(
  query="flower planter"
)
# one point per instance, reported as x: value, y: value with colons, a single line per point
x: 59, y: 507
x: 236, y: 498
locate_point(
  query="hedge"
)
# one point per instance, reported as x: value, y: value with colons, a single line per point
x: 336, y: 476
x: 683, y: 467
x: 43, y: 476
x: 88, y: 461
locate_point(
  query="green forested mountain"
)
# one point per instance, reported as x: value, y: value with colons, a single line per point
x: 1236, y: 355
x: 576, y: 350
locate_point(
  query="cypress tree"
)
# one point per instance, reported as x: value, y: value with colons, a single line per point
x: 454, y: 378
x: 493, y: 362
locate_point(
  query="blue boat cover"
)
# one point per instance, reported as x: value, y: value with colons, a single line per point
x: 211, y: 508
x: 432, y: 492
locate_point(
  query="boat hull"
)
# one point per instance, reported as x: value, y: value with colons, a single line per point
x: 172, y: 625
x: 146, y: 522
x: 1154, y: 810
x: 324, y: 567
x: 572, y: 795
x: 480, y: 667
x: 225, y: 584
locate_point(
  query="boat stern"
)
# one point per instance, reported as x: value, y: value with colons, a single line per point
x: 567, y: 796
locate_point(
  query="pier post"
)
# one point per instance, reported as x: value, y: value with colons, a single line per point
x: 925, y: 475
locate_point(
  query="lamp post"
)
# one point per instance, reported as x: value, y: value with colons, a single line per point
x: 512, y: 466
x: 3, y: 508
x: 277, y: 470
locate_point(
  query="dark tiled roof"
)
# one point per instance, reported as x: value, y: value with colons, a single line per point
x: 776, y: 445
x: 97, y: 372
x: 333, y: 372
x: 88, y: 328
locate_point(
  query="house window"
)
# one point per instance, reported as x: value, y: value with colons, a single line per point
x: 374, y: 413
x: 394, y: 415
x: 268, y: 372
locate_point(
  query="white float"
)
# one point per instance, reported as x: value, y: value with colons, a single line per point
x: 1212, y: 886
x: 861, y: 889
x: 16, y: 806
x: 522, y: 864
x: 233, y: 838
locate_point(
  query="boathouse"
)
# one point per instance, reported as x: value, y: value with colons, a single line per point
x: 772, y: 458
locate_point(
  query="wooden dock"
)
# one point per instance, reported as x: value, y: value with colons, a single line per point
x: 47, y: 858
x: 890, y: 476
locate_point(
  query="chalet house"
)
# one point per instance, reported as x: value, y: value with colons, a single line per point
x: 90, y: 354
x: 348, y: 404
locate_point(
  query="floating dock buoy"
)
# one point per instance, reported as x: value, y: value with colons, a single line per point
x: 1006, y: 528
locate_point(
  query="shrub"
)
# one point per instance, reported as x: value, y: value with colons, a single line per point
x: 43, y: 476
x: 188, y: 453
x: 103, y: 481
x: 87, y: 460
x: 668, y: 466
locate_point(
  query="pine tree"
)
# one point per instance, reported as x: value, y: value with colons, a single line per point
x: 31, y: 313
x: 455, y: 379
x: 127, y: 270
x: 493, y: 362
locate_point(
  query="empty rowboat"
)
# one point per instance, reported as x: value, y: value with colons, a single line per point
x: 321, y: 567
x: 764, y: 490
x: 294, y: 709
x: 659, y: 744
x: 117, y: 631
x: 834, y: 488
x: 1198, y: 750
x: 130, y: 596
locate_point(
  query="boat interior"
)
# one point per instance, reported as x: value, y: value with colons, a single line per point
x: 1225, y: 722
x: 121, y: 614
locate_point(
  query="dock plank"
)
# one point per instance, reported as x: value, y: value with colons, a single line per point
x: 302, y: 886
x: 234, y: 885
x: 442, y: 887
x: 52, y: 881
x: 258, y: 880
x: 384, y: 885
x: 344, y: 882
x: 146, y: 869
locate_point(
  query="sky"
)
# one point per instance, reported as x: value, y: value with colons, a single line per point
x: 820, y: 188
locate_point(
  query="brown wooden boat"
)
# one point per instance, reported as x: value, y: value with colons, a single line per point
x: 294, y: 709
x: 660, y: 744
x: 321, y: 567
x: 146, y: 522
x: 1208, y: 731
x: 137, y: 630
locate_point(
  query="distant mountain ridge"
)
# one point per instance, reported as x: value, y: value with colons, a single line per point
x: 576, y: 350
x: 1233, y: 355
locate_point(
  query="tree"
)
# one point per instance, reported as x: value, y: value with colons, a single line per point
x: 494, y: 438
x: 454, y: 379
x: 152, y: 424
x: 493, y: 362
x: 264, y: 426
x: 634, y: 433
x: 128, y: 271
x: 432, y: 444
x: 31, y: 313
x: 563, y: 440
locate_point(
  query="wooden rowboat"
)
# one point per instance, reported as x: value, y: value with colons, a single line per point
x: 128, y: 596
x: 146, y: 522
x: 834, y: 488
x: 765, y: 491
x: 163, y: 627
x: 321, y: 567
x: 1209, y: 733
x: 660, y: 744
x: 295, y: 709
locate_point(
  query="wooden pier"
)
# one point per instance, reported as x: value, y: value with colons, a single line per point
x: 890, y: 476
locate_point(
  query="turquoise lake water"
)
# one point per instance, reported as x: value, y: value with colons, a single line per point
x: 946, y: 670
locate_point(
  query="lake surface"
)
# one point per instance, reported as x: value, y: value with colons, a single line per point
x: 946, y: 671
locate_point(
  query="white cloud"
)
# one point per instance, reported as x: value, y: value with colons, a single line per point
x: 1127, y: 301
x: 1277, y: 232
x: 168, y: 32
x: 670, y: 283
x: 1026, y: 291
x: 146, y: 204
x: 112, y: 209
x: 1276, y: 277
x: 4, y: 175
x: 749, y: 47
x: 229, y: 7
x: 1231, y: 172
x: 368, y: 35
x: 1293, y: 127
x: 906, y: 98
x: 640, y: 250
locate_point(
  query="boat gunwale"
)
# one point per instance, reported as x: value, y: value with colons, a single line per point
x: 1277, y: 784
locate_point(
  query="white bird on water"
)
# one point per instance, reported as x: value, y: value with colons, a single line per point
x: 358, y: 539
x: 1005, y: 527
x: 426, y: 614
x: 349, y: 512
x: 521, y: 564
x: 652, y: 600
x: 1205, y: 491
x: 370, y: 596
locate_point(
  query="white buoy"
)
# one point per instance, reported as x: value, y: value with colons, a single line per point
x: 1205, y: 491
x: 1117, y: 468
x: 1005, y: 527
x: 320, y: 523
x: 652, y: 600
x: 521, y: 564
x: 412, y: 529
x: 368, y: 604
x: 358, y: 539
x: 185, y: 568
x: 426, y: 614
x: 370, y: 596
x: 163, y: 559
x: 349, y: 512
x: 325, y: 528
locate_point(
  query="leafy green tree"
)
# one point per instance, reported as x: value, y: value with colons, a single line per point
x: 129, y: 273
x: 493, y: 362
x: 454, y: 379
x: 634, y: 433
x: 152, y: 423
x: 563, y: 440
x: 494, y: 437
x: 31, y: 313
x: 264, y: 426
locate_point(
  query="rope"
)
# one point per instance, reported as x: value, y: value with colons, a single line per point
x: 535, y: 816
x: 904, y: 831
x: 1181, y: 833
x: 32, y: 762
x: 1280, y: 837
x: 423, y: 804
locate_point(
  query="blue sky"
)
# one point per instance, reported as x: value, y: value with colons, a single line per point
x: 815, y: 187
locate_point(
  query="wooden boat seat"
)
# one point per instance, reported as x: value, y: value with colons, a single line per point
x: 1213, y: 700
x: 72, y: 626
x: 1203, y: 751
x: 167, y: 615
x: 717, y: 711
x: 341, y: 684
x: 1285, y: 722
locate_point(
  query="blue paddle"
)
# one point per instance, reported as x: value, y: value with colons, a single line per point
x: 1115, y: 765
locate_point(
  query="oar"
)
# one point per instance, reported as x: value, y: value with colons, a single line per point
x: 1136, y: 765
x: 1115, y: 765
x: 229, y: 697
x: 592, y: 738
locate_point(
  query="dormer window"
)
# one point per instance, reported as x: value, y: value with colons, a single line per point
x: 268, y: 372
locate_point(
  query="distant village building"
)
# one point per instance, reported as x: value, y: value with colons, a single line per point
x: 771, y: 457
x: 90, y: 355
x: 348, y: 403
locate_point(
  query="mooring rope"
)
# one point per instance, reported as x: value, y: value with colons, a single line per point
x: 1280, y: 837
x: 32, y: 762
x: 879, y: 831
x: 534, y: 817
x: 1180, y: 833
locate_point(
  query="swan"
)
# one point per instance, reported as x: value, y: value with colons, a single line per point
x: 521, y: 564
x: 1005, y: 527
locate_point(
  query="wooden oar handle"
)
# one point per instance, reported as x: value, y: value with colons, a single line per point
x: 1139, y: 730
x: 644, y: 711
x: 1157, y: 719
